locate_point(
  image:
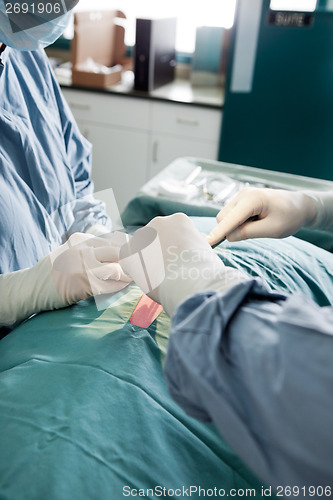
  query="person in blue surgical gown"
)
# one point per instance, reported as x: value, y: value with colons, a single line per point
x: 256, y: 363
x: 48, y: 214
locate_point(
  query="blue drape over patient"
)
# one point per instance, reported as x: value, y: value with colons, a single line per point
x: 258, y: 364
x: 256, y: 359
x: 45, y: 163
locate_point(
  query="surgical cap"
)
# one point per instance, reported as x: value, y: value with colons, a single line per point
x: 33, y: 24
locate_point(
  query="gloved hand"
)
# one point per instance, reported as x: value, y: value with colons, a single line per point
x: 83, y: 266
x: 263, y: 213
x: 170, y: 260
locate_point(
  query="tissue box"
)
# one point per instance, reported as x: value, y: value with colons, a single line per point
x: 98, y: 36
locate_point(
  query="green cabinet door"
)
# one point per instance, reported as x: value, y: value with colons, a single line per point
x: 283, y: 120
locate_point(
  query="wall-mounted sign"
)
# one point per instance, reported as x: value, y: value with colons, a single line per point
x: 294, y: 19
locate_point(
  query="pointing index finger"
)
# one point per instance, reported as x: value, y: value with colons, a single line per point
x: 230, y: 220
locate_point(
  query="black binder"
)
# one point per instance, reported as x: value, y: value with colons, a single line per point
x: 155, y: 53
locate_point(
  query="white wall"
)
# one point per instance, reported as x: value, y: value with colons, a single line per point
x: 190, y: 14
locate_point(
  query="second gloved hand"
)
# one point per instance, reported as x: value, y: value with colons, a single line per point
x: 87, y: 265
x: 83, y: 266
x: 171, y: 260
x: 263, y: 213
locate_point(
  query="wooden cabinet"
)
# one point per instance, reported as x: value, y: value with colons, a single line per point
x: 134, y: 138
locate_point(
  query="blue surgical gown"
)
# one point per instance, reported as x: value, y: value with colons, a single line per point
x: 259, y: 365
x: 45, y: 164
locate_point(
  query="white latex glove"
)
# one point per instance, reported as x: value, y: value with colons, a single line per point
x: 83, y: 266
x: 97, y: 230
x: 277, y: 213
x: 170, y: 260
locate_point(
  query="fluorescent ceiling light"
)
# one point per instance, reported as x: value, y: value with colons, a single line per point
x: 294, y: 5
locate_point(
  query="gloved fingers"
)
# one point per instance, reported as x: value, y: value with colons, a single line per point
x: 227, y: 209
x: 99, y: 286
x: 107, y: 253
x: 107, y: 278
x: 111, y: 271
x: 112, y: 245
x: 177, y: 220
x: 254, y: 229
x: 103, y: 270
x: 142, y: 258
x: 250, y: 200
x: 231, y: 219
x: 116, y: 238
x: 177, y: 230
